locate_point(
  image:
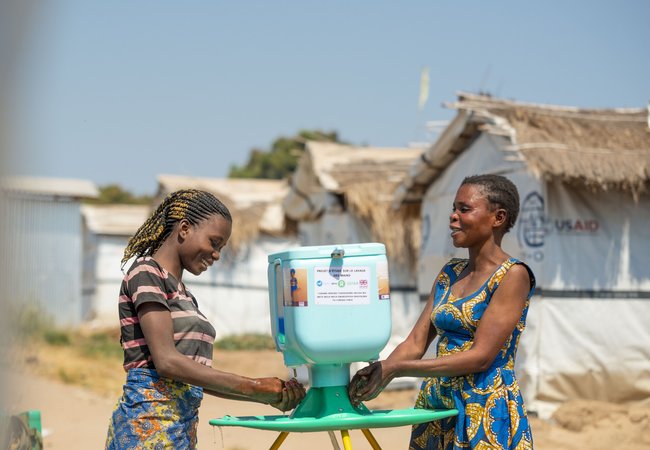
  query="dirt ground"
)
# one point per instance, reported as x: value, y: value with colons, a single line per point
x: 76, y: 398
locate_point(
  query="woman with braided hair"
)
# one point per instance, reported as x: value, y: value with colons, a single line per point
x: 167, y: 341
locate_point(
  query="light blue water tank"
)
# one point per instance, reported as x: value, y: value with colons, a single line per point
x: 330, y: 304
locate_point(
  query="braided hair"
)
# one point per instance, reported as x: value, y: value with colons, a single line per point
x: 191, y: 204
x: 500, y: 193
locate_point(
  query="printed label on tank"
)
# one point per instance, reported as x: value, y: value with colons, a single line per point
x: 342, y: 285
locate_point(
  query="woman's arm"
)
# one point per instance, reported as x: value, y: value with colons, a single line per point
x: 156, y: 324
x: 292, y: 393
x: 495, y: 327
x: 417, y: 342
x: 412, y: 348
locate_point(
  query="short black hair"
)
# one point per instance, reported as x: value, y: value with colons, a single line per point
x: 500, y: 193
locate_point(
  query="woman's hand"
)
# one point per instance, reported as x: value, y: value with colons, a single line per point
x: 368, y: 382
x: 292, y: 394
x: 267, y: 390
x: 283, y: 395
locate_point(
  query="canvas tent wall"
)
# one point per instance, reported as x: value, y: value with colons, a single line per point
x: 583, y: 180
x: 233, y: 293
x: 42, y: 245
x: 107, y: 229
x: 341, y: 194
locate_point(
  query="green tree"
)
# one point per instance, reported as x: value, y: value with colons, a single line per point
x: 283, y: 157
x: 115, y: 194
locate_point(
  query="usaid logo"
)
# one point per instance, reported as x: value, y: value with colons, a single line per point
x: 533, y: 223
x: 534, y: 226
x: 577, y: 226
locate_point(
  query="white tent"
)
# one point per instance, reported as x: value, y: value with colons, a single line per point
x: 40, y: 226
x: 233, y: 294
x: 583, y: 228
x: 107, y: 229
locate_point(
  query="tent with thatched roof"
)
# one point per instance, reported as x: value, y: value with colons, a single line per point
x: 233, y: 294
x: 342, y: 194
x: 583, y: 178
x: 336, y: 182
x: 106, y: 232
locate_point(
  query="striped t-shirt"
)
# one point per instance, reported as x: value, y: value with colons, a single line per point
x: 146, y: 281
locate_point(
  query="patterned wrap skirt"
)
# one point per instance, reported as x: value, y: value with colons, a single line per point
x: 154, y: 413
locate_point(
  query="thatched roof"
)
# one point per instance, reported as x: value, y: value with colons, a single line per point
x: 399, y: 230
x: 364, y: 179
x: 598, y: 148
x: 256, y: 205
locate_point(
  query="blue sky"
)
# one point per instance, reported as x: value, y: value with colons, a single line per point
x: 120, y: 91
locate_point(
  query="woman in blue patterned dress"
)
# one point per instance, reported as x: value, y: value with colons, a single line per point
x: 477, y: 308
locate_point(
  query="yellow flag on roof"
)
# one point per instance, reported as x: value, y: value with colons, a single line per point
x: 424, y: 88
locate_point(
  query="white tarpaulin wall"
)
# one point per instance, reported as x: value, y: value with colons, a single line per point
x: 588, y: 333
x: 594, y: 331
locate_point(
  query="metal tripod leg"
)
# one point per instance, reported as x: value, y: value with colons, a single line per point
x: 371, y: 439
x: 335, y: 444
x: 279, y: 440
x: 347, y: 445
x: 345, y: 436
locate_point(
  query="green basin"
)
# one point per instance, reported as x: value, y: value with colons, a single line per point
x: 342, y: 421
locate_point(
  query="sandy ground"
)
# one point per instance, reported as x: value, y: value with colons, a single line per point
x: 75, y: 417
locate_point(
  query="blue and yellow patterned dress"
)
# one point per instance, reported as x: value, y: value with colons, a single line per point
x: 492, y: 414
